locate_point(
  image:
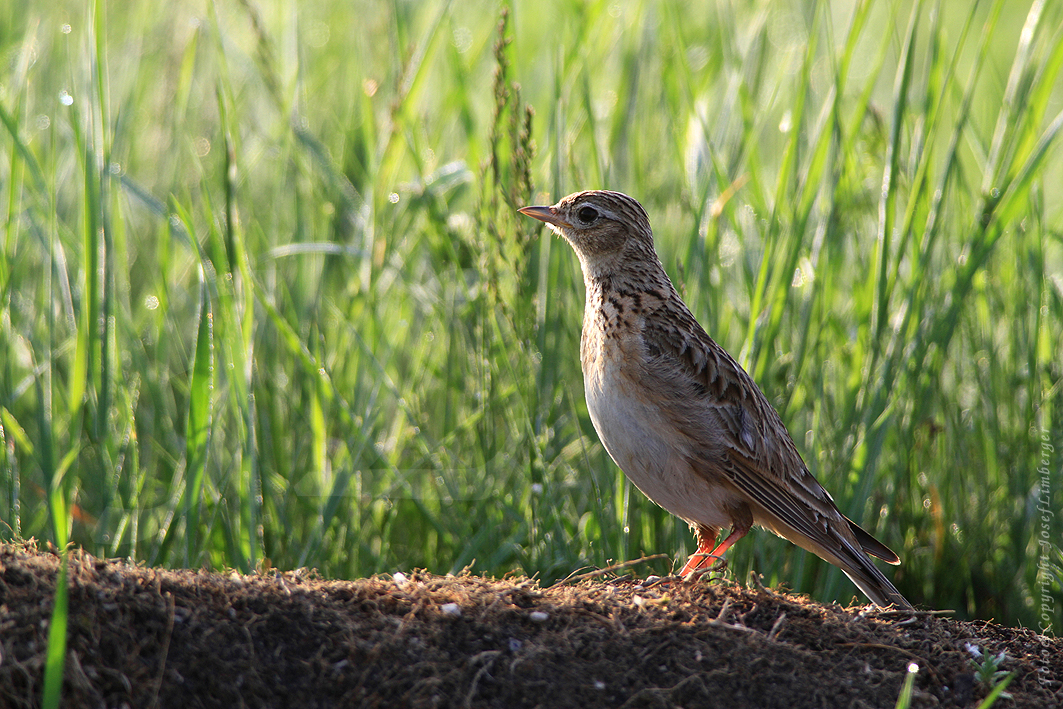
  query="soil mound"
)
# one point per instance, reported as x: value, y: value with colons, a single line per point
x: 144, y: 637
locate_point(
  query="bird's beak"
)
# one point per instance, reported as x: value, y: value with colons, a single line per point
x: 545, y: 214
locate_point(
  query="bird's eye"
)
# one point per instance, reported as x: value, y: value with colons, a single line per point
x: 587, y: 214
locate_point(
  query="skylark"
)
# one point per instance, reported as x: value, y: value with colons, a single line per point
x: 687, y: 425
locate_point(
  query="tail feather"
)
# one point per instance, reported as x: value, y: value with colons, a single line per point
x: 871, y: 545
x: 875, y: 585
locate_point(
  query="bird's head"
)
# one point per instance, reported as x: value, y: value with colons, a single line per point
x: 606, y: 229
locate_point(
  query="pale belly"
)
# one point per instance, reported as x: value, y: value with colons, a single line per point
x: 643, y: 443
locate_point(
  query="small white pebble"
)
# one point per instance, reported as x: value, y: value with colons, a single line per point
x: 451, y: 609
x: 538, y: 616
x: 638, y: 601
x: 399, y: 578
x: 650, y: 580
x: 598, y: 684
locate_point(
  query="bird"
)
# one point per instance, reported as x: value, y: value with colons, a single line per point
x: 682, y: 419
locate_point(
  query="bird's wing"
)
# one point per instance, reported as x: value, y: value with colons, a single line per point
x: 735, y: 432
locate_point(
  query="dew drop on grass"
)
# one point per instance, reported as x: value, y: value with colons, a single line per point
x: 787, y: 122
x: 462, y: 39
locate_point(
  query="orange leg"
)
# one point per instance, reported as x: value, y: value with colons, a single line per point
x: 700, y: 559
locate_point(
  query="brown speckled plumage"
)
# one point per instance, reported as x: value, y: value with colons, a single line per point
x: 681, y: 418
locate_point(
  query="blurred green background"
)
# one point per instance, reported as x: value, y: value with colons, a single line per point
x: 264, y: 299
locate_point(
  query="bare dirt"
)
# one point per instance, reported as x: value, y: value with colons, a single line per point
x: 144, y: 637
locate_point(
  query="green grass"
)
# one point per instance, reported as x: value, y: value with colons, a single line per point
x: 264, y: 299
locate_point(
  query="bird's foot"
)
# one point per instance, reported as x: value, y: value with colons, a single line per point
x: 696, y: 574
x: 688, y: 575
x: 699, y: 564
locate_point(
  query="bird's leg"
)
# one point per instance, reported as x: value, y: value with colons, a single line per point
x: 700, y: 559
x: 706, y: 539
x: 742, y: 521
